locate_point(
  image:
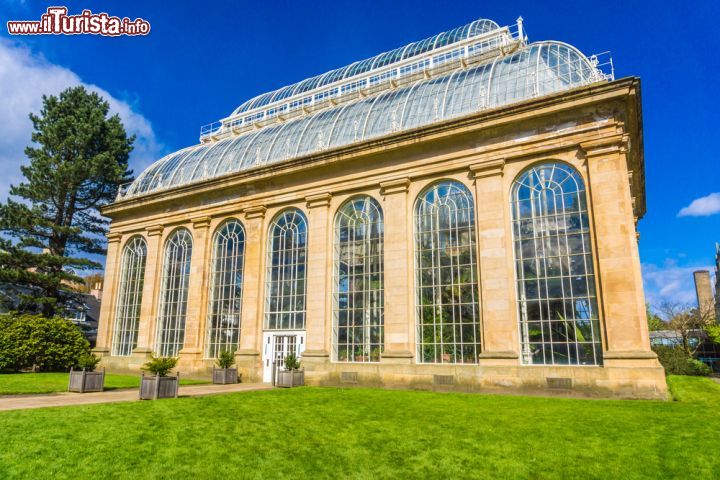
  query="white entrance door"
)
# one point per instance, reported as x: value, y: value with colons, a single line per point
x: 277, y: 346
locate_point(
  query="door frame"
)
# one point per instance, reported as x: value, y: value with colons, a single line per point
x: 268, y: 349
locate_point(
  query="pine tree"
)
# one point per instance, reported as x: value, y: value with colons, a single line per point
x: 78, y: 160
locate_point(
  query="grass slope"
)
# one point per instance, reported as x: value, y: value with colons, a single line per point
x: 366, y: 433
x: 29, y: 383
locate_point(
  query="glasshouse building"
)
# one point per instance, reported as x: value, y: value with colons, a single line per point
x: 458, y: 213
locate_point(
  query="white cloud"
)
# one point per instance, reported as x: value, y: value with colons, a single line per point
x: 24, y: 78
x: 702, y: 207
x: 670, y: 282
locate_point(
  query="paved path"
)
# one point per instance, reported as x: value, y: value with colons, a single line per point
x: 17, y: 402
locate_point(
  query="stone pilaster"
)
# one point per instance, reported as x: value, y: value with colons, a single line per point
x: 499, y: 320
x: 110, y: 285
x: 196, y: 314
x: 399, y: 305
x: 618, y: 276
x: 249, y: 360
x: 319, y: 272
x: 151, y: 291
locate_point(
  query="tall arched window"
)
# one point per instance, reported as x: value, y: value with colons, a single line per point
x: 286, y: 274
x: 358, y: 307
x: 174, y: 294
x: 554, y: 266
x: 448, y: 311
x: 226, y: 288
x: 127, y: 313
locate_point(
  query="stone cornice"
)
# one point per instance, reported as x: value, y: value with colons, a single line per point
x: 255, y: 212
x: 113, y: 237
x: 201, y: 222
x: 319, y: 200
x: 155, y: 230
x: 399, y: 185
x: 488, y: 169
x: 605, y: 145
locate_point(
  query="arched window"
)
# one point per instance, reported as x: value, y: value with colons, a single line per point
x: 174, y: 294
x: 286, y: 274
x: 226, y: 288
x: 127, y: 313
x: 358, y: 307
x: 557, y: 302
x: 448, y: 311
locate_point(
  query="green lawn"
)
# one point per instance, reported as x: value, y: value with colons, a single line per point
x: 367, y: 433
x: 22, y: 383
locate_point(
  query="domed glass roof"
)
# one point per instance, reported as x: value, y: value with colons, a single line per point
x: 470, y: 30
x: 530, y: 71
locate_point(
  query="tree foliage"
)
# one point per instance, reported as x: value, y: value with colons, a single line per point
x: 34, y: 341
x: 77, y: 161
x: 688, y: 321
x: 713, y: 332
x: 655, y: 323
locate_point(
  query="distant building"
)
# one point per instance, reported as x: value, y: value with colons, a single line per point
x: 87, y: 314
x: 84, y: 314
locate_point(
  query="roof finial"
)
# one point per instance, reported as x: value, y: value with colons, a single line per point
x: 521, y: 35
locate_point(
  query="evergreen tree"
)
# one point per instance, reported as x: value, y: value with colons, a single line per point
x: 78, y: 160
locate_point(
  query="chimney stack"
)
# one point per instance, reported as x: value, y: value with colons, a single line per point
x: 96, y: 291
x: 703, y: 289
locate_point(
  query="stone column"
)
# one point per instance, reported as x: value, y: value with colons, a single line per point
x: 618, y: 276
x: 495, y: 262
x: 319, y: 272
x: 248, y: 358
x: 399, y: 283
x: 150, y: 295
x: 110, y: 285
x: 191, y: 354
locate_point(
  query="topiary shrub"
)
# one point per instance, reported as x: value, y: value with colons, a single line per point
x: 226, y: 359
x: 292, y: 362
x: 677, y: 362
x: 160, y: 365
x: 88, y: 362
x: 45, y: 344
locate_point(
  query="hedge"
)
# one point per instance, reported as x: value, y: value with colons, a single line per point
x: 45, y: 344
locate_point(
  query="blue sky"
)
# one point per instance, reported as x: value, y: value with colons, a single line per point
x: 202, y: 59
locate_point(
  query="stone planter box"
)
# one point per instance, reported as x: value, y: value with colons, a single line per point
x: 288, y: 379
x: 154, y: 387
x: 82, y: 381
x: 223, y: 376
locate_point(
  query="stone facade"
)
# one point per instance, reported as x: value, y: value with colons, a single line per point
x: 597, y: 129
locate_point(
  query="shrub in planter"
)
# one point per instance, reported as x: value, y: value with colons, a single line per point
x: 677, y: 362
x: 159, y: 384
x: 291, y: 376
x: 225, y: 373
x: 88, y: 362
x: 45, y: 344
x: 86, y: 379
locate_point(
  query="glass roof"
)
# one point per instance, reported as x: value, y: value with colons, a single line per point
x: 534, y: 70
x: 470, y: 30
